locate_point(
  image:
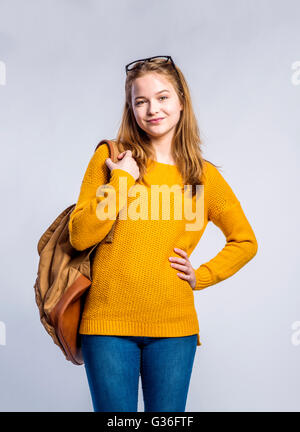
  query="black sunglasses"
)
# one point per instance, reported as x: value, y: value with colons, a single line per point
x: 137, y: 63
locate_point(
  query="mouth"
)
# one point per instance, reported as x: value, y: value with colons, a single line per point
x: 156, y: 120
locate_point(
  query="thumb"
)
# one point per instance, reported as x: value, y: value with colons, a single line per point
x: 120, y: 155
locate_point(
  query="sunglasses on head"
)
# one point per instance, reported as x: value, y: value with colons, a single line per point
x: 160, y: 59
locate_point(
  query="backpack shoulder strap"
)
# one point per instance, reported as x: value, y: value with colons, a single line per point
x: 112, y: 148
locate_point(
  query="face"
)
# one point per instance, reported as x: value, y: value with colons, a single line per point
x: 153, y: 96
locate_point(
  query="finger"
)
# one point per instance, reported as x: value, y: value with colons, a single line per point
x: 179, y: 260
x: 183, y: 276
x: 108, y: 162
x: 181, y: 252
x: 180, y: 267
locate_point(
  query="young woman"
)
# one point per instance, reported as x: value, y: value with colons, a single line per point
x: 139, y: 316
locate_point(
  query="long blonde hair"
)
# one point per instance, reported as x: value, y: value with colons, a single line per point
x: 186, y: 143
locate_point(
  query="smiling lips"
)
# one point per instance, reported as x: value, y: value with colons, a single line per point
x: 156, y: 120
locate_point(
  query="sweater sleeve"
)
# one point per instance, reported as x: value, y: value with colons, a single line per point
x: 225, y: 211
x: 86, y: 227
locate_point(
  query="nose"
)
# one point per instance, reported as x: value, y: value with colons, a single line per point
x: 153, y: 108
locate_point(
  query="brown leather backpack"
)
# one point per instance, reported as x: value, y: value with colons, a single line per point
x: 63, y: 278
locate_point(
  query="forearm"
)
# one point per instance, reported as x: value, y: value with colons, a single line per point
x: 241, y: 246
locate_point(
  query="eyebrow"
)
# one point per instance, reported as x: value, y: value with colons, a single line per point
x: 155, y: 93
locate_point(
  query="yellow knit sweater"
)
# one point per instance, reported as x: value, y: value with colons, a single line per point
x: 134, y: 290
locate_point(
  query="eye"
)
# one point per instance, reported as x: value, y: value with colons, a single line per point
x: 139, y: 102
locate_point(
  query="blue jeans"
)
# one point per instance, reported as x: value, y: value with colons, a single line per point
x: 113, y: 365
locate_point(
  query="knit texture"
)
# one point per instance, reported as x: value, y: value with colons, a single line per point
x: 134, y: 290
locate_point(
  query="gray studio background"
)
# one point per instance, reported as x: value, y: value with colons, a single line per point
x: 62, y: 91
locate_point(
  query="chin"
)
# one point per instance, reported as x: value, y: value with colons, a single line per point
x: 158, y: 133
x: 161, y: 128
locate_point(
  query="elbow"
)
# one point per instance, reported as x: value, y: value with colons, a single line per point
x: 74, y: 239
x: 76, y: 244
x: 254, y: 247
x: 250, y: 248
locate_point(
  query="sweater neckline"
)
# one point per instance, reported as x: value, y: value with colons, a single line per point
x: 163, y: 164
